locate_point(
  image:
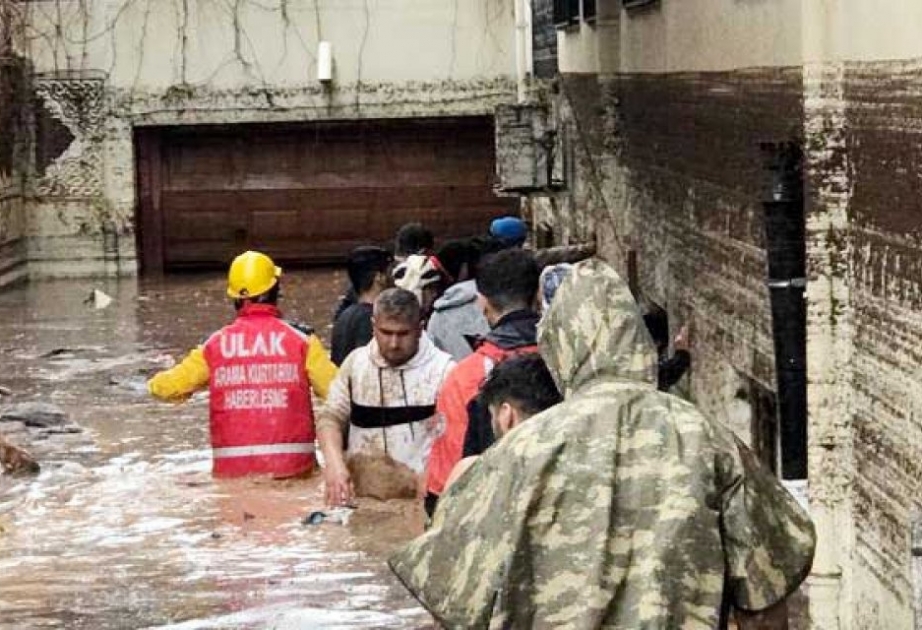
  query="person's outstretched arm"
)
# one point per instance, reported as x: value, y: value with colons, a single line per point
x: 181, y: 381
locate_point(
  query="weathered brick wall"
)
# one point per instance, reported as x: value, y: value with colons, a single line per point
x: 670, y: 168
x: 883, y: 109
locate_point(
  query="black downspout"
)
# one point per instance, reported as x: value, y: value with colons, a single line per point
x: 785, y: 244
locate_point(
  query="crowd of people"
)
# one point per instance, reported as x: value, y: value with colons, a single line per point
x: 522, y: 396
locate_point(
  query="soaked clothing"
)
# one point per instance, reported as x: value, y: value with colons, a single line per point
x: 352, y: 329
x: 384, y: 409
x: 670, y: 370
x: 259, y: 373
x: 516, y: 332
x: 455, y: 318
x: 348, y: 299
x: 622, y: 507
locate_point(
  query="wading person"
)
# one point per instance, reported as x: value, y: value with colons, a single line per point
x: 368, y: 274
x: 508, y: 284
x: 621, y: 507
x: 518, y: 388
x: 411, y: 238
x: 670, y: 369
x: 424, y: 277
x: 457, y: 319
x: 382, y: 403
x: 260, y: 371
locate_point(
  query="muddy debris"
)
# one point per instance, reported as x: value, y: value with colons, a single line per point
x: 15, y: 460
x: 5, y: 391
x: 339, y: 515
x: 380, y: 477
x: 135, y: 382
x: 35, y: 414
x: 98, y: 299
x: 60, y: 352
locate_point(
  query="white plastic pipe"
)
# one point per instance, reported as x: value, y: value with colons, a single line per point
x: 325, y: 62
x: 521, y: 46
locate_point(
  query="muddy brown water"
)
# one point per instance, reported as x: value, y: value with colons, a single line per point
x: 124, y: 527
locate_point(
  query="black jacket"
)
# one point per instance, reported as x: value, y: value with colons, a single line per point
x: 515, y: 330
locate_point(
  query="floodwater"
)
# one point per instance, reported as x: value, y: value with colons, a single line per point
x: 124, y: 527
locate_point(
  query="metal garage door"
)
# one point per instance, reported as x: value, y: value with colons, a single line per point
x: 309, y: 193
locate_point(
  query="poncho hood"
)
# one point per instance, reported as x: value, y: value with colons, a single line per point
x: 594, y: 329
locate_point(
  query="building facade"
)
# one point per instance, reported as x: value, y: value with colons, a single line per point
x: 664, y: 115
x: 171, y: 135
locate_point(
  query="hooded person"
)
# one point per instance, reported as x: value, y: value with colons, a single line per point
x: 456, y: 317
x: 621, y: 507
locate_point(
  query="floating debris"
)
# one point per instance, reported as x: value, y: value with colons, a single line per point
x: 16, y: 461
x: 35, y: 414
x: 333, y: 515
x: 98, y: 300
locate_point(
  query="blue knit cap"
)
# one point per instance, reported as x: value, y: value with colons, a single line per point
x: 510, y: 230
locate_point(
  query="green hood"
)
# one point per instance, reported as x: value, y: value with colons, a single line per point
x: 594, y: 329
x: 621, y: 507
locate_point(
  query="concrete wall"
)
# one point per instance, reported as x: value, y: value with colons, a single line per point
x: 665, y: 118
x: 13, y: 153
x: 121, y: 64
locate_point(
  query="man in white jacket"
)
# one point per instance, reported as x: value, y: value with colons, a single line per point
x: 382, y: 401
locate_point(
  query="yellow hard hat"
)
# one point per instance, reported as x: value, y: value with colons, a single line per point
x: 251, y: 274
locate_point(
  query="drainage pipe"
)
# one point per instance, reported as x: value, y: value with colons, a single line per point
x: 785, y: 244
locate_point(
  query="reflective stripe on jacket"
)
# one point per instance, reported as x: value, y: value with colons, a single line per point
x: 382, y: 408
x: 260, y: 371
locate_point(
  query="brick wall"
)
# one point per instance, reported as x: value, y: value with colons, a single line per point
x: 670, y: 167
x: 883, y: 109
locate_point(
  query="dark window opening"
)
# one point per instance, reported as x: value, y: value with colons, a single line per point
x: 628, y: 4
x: 569, y: 12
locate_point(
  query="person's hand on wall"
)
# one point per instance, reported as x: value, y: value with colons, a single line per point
x: 681, y: 339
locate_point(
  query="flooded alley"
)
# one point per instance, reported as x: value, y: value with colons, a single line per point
x: 124, y: 527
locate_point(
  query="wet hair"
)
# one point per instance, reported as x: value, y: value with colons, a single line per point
x: 453, y: 255
x: 523, y: 381
x: 657, y: 322
x: 483, y: 246
x: 397, y: 304
x: 413, y: 238
x: 364, y: 264
x: 269, y: 297
x: 509, y: 279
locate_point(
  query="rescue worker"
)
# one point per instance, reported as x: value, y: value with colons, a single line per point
x: 382, y: 402
x: 621, y: 507
x: 260, y: 371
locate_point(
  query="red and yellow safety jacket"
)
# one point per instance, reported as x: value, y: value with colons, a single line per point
x: 260, y: 371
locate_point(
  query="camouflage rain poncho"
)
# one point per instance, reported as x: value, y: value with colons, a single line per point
x: 622, y: 507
